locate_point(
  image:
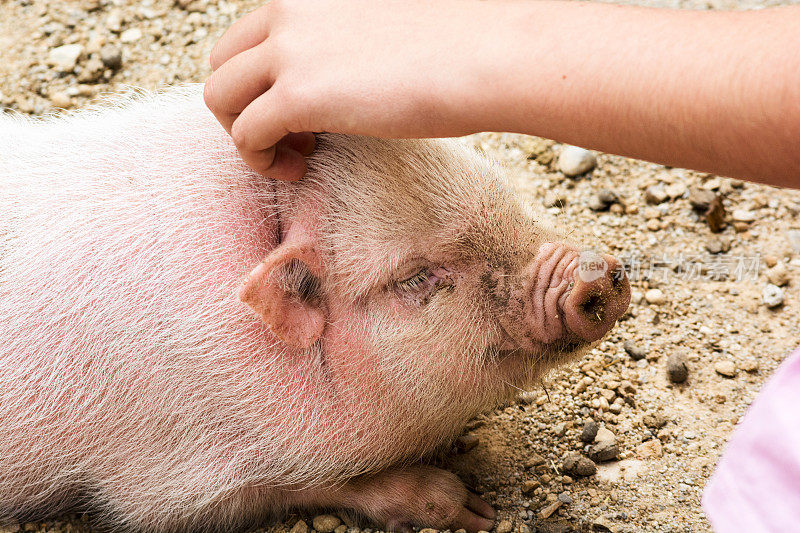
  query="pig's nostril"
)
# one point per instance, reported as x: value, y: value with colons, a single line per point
x: 618, y: 281
x: 593, y: 307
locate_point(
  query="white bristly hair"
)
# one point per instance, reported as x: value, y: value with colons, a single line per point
x: 133, y: 382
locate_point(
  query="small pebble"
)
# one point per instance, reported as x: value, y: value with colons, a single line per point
x: 578, y: 465
x: 656, y: 194
x: 574, y: 161
x: 589, y: 431
x: 605, y: 446
x: 725, y: 368
x: 547, y: 511
x: 654, y: 420
x: 676, y: 190
x: 326, y: 523
x: 717, y: 246
x: 604, y: 451
x: 778, y: 274
x: 653, y: 225
x: 677, y: 368
x: 655, y: 297
x: 772, y: 295
x: 565, y: 498
x: 636, y: 352
x: 111, y: 57
x: 61, y: 100
x: 299, y: 527
x: 604, y: 435
x: 465, y: 443
x: 715, y: 215
x: 604, y: 523
x: 504, y: 526
x: 602, y: 200
x: 743, y: 215
x: 750, y: 366
x: 530, y: 485
x: 131, y: 35
x: 65, y: 57
x: 700, y: 199
x: 651, y: 449
x: 534, y: 460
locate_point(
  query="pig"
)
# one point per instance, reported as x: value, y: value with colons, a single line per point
x: 189, y: 346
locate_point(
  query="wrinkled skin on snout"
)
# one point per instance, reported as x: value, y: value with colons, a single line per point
x: 209, y: 347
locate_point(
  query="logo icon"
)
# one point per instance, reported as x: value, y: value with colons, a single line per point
x: 591, y: 266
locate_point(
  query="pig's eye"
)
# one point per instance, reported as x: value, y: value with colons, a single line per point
x: 424, y: 283
x: 416, y: 282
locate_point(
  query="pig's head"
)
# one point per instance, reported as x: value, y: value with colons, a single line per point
x: 416, y: 260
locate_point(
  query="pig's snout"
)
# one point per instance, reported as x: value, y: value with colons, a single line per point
x: 600, y: 294
x: 568, y: 295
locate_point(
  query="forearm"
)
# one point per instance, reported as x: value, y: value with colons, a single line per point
x: 713, y: 91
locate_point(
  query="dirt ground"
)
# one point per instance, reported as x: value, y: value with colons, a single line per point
x: 697, y: 294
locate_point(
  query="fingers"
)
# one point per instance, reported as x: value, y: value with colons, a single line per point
x: 240, y: 95
x: 260, y: 126
x: 244, y: 34
x: 238, y: 82
x: 301, y: 142
x: 285, y: 160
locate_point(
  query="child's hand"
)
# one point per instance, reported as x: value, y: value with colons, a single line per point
x: 713, y: 91
x: 389, y: 69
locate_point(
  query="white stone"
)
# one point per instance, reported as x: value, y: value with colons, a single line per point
x: 743, y: 215
x: 655, y: 297
x: 605, y: 436
x: 772, y: 295
x: 574, y: 161
x: 676, y: 190
x: 131, y: 35
x: 65, y: 57
x: 725, y: 368
x: 61, y: 100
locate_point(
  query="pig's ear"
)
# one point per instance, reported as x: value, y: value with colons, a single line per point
x: 284, y: 291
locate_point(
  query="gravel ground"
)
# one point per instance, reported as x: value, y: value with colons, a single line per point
x: 699, y: 313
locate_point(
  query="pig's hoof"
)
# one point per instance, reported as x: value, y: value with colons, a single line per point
x: 429, y: 497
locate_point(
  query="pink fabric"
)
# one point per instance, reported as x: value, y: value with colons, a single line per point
x: 756, y: 487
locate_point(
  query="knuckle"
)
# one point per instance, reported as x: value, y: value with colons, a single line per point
x: 216, y: 57
x: 240, y: 135
x: 210, y: 94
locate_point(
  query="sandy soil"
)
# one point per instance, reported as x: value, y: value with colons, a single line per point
x: 710, y: 308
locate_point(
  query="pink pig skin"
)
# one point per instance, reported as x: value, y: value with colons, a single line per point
x: 187, y: 345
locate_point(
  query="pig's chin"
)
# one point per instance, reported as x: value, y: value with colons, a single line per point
x: 539, y: 356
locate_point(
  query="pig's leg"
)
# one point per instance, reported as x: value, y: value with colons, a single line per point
x: 404, y: 497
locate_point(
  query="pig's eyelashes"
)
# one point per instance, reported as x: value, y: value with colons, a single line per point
x: 415, y: 282
x: 421, y: 286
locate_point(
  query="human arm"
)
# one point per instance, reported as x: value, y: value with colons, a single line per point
x: 713, y: 91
